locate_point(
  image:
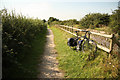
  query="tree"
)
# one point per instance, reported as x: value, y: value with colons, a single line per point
x: 44, y: 20
x: 70, y: 22
x: 115, y: 21
x: 95, y: 20
x: 52, y: 19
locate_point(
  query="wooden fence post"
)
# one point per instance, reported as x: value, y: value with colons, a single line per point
x: 111, y: 43
x: 111, y: 46
x: 88, y: 35
x: 72, y: 29
x: 68, y: 27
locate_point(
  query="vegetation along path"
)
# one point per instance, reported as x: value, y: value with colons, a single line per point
x: 49, y: 66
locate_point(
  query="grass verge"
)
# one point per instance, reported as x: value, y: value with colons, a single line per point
x: 75, y: 64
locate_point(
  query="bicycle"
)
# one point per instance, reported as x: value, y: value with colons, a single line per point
x: 82, y: 43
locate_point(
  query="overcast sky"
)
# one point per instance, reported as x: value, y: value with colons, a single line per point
x: 61, y: 9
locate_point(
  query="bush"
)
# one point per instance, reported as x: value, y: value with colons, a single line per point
x: 94, y: 20
x: 17, y: 35
x: 115, y: 21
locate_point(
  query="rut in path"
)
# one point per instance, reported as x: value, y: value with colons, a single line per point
x: 49, y: 65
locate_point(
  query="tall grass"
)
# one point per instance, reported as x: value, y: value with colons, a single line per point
x: 76, y: 64
x: 18, y: 35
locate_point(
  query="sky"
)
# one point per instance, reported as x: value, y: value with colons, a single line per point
x: 61, y: 9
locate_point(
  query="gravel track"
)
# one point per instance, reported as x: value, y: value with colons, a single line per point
x: 49, y: 66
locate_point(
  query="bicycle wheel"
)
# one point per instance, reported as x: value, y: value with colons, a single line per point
x: 89, y: 45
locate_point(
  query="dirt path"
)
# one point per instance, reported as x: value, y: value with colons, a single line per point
x: 49, y: 66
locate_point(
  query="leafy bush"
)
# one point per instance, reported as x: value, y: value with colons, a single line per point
x: 18, y: 33
x: 115, y: 21
x: 52, y: 19
x: 70, y: 22
x: 94, y: 20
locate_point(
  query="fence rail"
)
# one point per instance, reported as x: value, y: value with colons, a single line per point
x: 71, y: 31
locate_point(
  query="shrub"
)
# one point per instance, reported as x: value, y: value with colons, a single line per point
x: 17, y: 34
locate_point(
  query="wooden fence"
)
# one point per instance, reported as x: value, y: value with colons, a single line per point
x: 72, y: 29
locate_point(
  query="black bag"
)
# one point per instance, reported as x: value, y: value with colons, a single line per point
x: 72, y: 42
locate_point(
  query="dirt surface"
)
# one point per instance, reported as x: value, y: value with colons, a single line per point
x: 49, y: 65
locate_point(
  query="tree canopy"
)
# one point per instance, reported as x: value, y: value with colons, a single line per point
x: 94, y: 20
x: 52, y: 19
x: 115, y: 21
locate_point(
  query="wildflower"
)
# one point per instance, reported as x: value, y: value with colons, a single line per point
x: 110, y: 63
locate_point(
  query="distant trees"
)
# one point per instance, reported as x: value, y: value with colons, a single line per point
x: 52, y: 19
x: 70, y: 22
x: 115, y: 21
x: 94, y: 20
x: 98, y: 20
x: 44, y: 20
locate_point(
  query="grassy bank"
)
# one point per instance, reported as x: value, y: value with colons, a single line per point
x: 75, y: 64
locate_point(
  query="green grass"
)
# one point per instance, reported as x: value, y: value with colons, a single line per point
x: 48, y: 26
x: 75, y: 64
x: 28, y: 67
